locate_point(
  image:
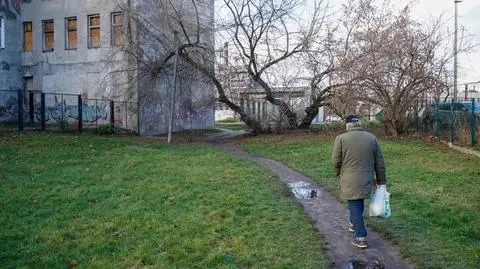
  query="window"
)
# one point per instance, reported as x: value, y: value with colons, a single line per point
x: 117, y: 28
x: 48, y: 35
x: 94, y: 31
x: 71, y: 33
x: 27, y: 36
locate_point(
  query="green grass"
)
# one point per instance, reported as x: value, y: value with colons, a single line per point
x: 435, y: 194
x: 227, y: 120
x: 232, y: 126
x: 107, y: 202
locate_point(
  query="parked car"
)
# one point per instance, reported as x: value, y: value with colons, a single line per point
x: 459, y: 112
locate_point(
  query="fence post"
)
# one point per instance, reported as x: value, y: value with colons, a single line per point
x: 20, y: 110
x: 96, y: 114
x: 452, y: 122
x: 112, y: 113
x: 80, y: 114
x: 42, y: 110
x: 472, y: 127
x: 31, y: 107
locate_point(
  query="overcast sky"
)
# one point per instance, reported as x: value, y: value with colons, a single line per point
x: 468, y: 18
x: 425, y: 10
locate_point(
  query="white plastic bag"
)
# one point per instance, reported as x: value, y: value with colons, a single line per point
x: 380, y: 203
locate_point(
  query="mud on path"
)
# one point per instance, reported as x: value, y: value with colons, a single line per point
x: 330, y: 216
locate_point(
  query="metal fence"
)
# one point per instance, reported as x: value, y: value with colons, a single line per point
x: 456, y: 121
x: 66, y: 112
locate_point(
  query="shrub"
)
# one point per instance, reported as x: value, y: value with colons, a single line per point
x: 108, y: 129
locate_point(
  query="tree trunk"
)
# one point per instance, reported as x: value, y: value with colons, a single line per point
x: 251, y: 122
x: 312, y: 112
x: 285, y: 108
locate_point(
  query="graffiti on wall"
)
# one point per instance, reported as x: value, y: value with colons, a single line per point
x: 192, y: 115
x: 60, y: 111
x: 9, y: 110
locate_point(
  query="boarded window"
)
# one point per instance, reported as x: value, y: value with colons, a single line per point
x: 118, y: 32
x: 71, y: 33
x: 27, y: 36
x: 94, y: 31
x: 48, y: 35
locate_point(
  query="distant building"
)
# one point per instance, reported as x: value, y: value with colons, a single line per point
x: 242, y: 90
x: 71, y: 47
x: 471, y: 90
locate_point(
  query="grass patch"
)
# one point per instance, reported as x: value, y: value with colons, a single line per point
x: 228, y: 120
x: 435, y: 195
x: 232, y: 126
x: 108, y: 202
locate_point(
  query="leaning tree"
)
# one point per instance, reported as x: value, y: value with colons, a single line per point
x: 263, y: 34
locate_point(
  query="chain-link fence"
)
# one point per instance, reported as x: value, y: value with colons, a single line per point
x: 66, y: 113
x: 456, y: 121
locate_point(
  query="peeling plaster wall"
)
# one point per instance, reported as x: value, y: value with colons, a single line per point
x: 194, y: 98
x: 10, y: 58
x: 80, y: 71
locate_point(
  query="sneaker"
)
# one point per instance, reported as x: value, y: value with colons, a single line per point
x: 359, y: 243
x: 351, y: 228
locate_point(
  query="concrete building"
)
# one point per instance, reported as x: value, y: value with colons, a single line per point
x: 74, y: 47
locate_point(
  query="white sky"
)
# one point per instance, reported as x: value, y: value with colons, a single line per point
x: 426, y: 10
x: 468, y: 18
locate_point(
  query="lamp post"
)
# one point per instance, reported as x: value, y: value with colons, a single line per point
x: 455, y: 52
x: 172, y: 97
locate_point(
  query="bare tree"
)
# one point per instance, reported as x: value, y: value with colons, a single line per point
x: 395, y: 60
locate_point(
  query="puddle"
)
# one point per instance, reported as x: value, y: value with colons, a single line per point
x: 362, y: 265
x: 303, y: 190
x: 353, y: 265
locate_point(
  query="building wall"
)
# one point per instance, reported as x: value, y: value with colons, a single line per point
x: 93, y: 72
x: 194, y: 94
x: 10, y: 59
x: 83, y: 70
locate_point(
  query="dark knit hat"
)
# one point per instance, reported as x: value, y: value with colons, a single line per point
x: 352, y: 118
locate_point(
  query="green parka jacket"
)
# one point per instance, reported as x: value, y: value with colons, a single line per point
x: 357, y: 158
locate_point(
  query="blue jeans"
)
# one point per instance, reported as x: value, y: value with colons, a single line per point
x: 356, y: 218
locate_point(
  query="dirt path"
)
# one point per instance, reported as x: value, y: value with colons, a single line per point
x: 330, y: 216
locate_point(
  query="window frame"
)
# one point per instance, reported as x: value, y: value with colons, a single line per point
x: 44, y: 35
x: 24, y: 34
x: 114, y: 26
x: 67, y: 31
x: 89, y: 31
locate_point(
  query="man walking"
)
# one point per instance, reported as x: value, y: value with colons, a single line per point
x: 357, y: 158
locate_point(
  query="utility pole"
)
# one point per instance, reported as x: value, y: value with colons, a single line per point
x: 172, y: 97
x: 455, y: 52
